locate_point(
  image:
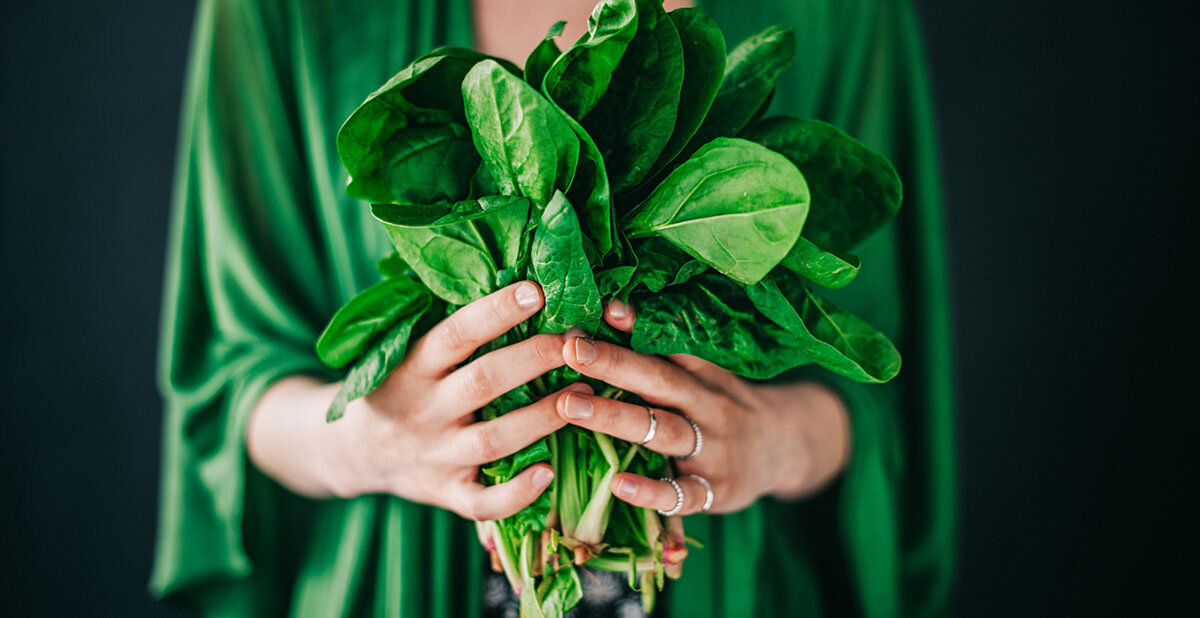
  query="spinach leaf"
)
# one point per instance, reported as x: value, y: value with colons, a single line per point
x: 505, y: 469
x: 394, y: 266
x: 703, y: 65
x: 528, y: 147
x: 821, y: 267
x: 835, y: 339
x: 542, y: 57
x: 369, y: 372
x: 424, y: 93
x: 559, y: 264
x: 453, y: 261
x: 365, y: 316
x: 634, y: 120
x: 661, y: 264
x: 750, y: 73
x: 734, y: 205
x: 563, y: 593
x: 500, y: 221
x: 581, y: 75
x: 590, y: 189
x: 855, y: 190
x: 711, y: 317
x: 434, y: 215
x: 423, y: 164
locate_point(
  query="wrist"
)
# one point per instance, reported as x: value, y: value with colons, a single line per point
x: 816, y: 438
x: 288, y: 439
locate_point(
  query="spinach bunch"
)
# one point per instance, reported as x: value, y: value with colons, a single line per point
x: 635, y: 165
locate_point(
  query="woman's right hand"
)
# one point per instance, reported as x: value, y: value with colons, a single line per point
x: 415, y: 436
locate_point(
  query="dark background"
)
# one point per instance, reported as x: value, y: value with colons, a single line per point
x: 1069, y: 132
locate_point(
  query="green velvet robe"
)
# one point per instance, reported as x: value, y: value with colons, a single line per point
x: 265, y: 246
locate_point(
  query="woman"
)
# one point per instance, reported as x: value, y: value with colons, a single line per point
x: 265, y: 246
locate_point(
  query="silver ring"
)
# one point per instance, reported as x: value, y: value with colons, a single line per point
x: 708, y: 492
x: 678, y: 499
x: 653, y: 426
x: 699, y: 440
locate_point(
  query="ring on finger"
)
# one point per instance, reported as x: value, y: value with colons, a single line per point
x: 708, y: 492
x: 653, y: 426
x: 699, y: 440
x: 678, y: 499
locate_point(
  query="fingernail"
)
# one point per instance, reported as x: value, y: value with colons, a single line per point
x: 574, y: 332
x: 578, y: 407
x: 585, y: 350
x: 625, y: 488
x: 618, y: 309
x: 527, y: 295
x: 543, y: 476
x: 580, y: 387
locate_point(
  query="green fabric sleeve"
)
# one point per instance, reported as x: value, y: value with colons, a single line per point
x: 238, y: 311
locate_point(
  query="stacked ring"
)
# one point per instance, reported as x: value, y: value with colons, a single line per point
x: 653, y: 426
x: 708, y: 492
x: 678, y: 499
x: 699, y: 440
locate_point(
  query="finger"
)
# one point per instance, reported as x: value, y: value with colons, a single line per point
x: 619, y: 315
x: 499, y: 501
x: 487, y: 441
x: 658, y: 381
x: 672, y: 434
x: 497, y: 372
x: 454, y: 339
x: 708, y: 373
x: 660, y: 495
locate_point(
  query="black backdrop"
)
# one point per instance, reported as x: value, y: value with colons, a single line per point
x: 1069, y: 132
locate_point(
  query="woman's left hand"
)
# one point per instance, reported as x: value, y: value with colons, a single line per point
x: 758, y: 440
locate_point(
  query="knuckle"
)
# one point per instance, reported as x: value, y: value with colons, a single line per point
x: 483, y: 445
x: 470, y: 505
x: 662, y: 378
x: 674, y: 433
x: 476, y: 383
x: 448, y: 334
x: 547, y: 349
x: 471, y: 510
x: 501, y: 307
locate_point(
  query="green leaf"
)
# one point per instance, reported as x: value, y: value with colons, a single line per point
x: 711, y: 317
x: 734, y: 205
x: 560, y: 265
x: 821, y: 267
x: 564, y: 592
x: 394, y: 266
x: 365, y: 316
x: 661, y: 264
x: 703, y: 64
x: 421, y: 164
x: 581, y: 75
x: 590, y: 189
x: 503, y: 470
x: 370, y: 371
x: 855, y: 191
x: 424, y: 93
x: 542, y: 57
x: 453, y: 261
x: 635, y: 118
x: 751, y: 70
x: 435, y: 215
x: 524, y: 140
x: 836, y: 340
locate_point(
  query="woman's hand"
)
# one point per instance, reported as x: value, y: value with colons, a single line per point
x: 785, y: 441
x: 415, y: 436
